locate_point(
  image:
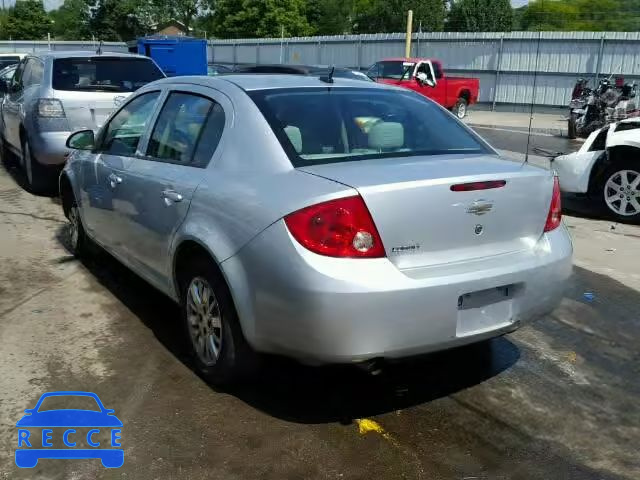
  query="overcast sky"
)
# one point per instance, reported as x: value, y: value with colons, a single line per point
x: 53, y: 4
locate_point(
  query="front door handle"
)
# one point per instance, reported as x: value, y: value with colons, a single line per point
x: 114, y: 180
x: 171, y: 196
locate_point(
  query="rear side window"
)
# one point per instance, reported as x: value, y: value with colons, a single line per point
x: 187, y: 131
x: 347, y: 124
x: 103, y: 74
x: 600, y: 142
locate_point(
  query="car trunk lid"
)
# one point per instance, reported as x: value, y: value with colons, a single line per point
x: 423, y: 222
x: 89, y: 109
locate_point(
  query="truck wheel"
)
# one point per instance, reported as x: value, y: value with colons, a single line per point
x: 572, y: 131
x: 620, y: 192
x: 460, y: 108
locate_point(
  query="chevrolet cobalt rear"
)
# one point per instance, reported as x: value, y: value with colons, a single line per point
x: 331, y: 221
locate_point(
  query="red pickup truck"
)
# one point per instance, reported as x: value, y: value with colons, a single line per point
x: 426, y: 76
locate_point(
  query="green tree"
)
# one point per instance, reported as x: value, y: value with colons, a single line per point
x: 480, y: 16
x: 120, y: 20
x: 71, y: 20
x: 331, y: 17
x: 582, y: 15
x: 27, y: 20
x: 260, y: 18
x: 388, y: 16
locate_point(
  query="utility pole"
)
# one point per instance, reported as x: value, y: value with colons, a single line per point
x: 407, y: 44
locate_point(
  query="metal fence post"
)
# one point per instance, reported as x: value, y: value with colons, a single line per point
x: 359, y: 52
x: 213, y: 52
x: 258, y: 52
x: 498, y: 67
x: 599, y: 62
x: 235, y: 53
x: 319, y: 52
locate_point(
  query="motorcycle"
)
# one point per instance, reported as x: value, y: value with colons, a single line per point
x: 591, y: 109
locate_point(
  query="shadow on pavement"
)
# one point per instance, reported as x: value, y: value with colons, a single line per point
x: 11, y: 166
x: 288, y: 390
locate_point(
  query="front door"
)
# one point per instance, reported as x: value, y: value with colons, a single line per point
x: 430, y: 87
x: 182, y: 143
x: 107, y: 192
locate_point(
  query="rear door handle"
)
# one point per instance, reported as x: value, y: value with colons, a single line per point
x: 171, y: 196
x: 114, y: 180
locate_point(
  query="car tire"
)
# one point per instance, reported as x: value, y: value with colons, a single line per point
x: 620, y: 191
x: 215, y: 341
x: 78, y: 242
x: 460, y: 108
x: 572, y: 129
x: 39, y: 178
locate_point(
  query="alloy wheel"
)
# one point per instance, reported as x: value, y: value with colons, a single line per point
x: 205, y: 321
x: 622, y: 193
x: 462, y: 110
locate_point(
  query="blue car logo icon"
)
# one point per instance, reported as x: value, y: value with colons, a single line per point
x: 32, y: 446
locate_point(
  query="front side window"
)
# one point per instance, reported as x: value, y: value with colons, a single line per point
x: 103, y: 74
x: 187, y: 130
x: 347, y: 124
x: 125, y: 129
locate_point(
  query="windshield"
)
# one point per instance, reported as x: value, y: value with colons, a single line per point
x: 346, y: 124
x: 391, y: 69
x: 110, y: 74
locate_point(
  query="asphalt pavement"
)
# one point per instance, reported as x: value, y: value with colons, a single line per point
x: 558, y: 399
x: 516, y: 141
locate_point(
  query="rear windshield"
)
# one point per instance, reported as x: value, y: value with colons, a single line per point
x: 6, y: 61
x: 103, y: 74
x: 391, y: 69
x: 325, y: 125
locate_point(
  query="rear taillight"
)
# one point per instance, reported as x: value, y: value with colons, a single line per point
x: 337, y: 228
x: 50, y: 108
x: 555, y: 210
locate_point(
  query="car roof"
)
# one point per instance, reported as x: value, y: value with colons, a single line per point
x: 271, y: 81
x: 84, y: 53
x: 408, y: 59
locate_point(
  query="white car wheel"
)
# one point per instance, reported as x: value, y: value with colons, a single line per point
x: 622, y: 193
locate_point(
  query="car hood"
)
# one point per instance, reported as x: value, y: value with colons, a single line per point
x: 69, y: 418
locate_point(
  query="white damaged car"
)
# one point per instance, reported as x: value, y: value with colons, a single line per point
x: 607, y: 168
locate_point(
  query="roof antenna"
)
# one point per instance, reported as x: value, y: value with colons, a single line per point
x: 533, y: 97
x: 328, y: 78
x: 99, y: 50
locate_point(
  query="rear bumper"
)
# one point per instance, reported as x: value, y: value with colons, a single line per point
x: 319, y: 309
x: 49, y: 148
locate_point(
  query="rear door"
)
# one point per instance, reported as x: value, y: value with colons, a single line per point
x: 181, y: 145
x: 107, y: 193
x: 91, y: 88
x: 11, y: 107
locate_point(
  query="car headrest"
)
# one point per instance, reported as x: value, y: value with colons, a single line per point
x: 294, y: 136
x: 386, y: 135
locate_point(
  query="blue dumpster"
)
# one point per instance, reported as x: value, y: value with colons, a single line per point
x: 175, y: 55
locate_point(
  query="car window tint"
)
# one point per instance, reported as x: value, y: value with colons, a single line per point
x: 37, y: 72
x: 210, y: 136
x: 127, y: 126
x: 348, y: 124
x: 600, y: 141
x: 103, y: 73
x: 26, y: 74
x: 178, y: 128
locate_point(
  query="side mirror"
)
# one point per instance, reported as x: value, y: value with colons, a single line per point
x: 82, y: 140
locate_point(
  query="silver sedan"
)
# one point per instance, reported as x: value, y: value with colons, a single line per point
x: 329, y: 220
